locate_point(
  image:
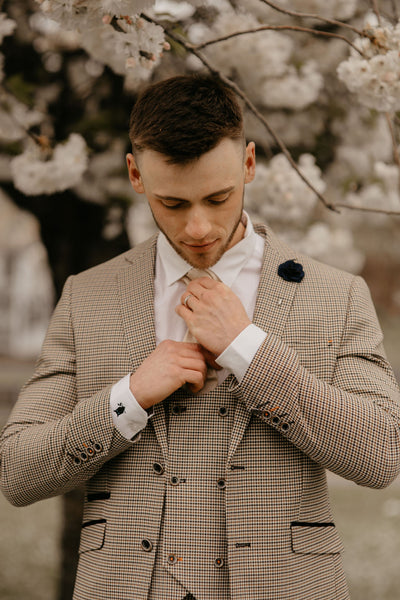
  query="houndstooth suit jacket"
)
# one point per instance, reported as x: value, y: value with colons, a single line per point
x: 318, y: 395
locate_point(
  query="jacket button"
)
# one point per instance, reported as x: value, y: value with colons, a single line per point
x: 83, y: 456
x: 98, y: 447
x: 285, y: 426
x: 147, y: 545
x: 276, y: 420
x: 176, y: 409
x: 171, y: 559
x: 158, y: 468
x: 219, y: 562
x: 223, y: 411
x: 221, y: 484
x: 77, y: 460
x: 174, y: 480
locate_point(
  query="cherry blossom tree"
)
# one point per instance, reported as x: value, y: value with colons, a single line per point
x: 320, y: 86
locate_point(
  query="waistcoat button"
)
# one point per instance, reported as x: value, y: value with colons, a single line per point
x: 221, y: 483
x: 172, y: 559
x: 147, y: 545
x: 158, y: 468
x: 176, y: 410
x: 219, y: 562
x: 223, y: 411
x: 174, y: 480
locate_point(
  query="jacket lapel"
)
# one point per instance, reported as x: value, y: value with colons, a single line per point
x: 136, y: 289
x: 274, y: 300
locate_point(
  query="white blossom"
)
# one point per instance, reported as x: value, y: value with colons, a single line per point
x: 279, y: 194
x: 338, y: 9
x: 298, y: 128
x: 32, y: 174
x: 296, y: 90
x: 7, y: 26
x: 333, y: 246
x: 123, y: 7
x: 273, y: 78
x: 176, y: 11
x: 375, y: 75
x: 16, y: 118
x: 382, y: 191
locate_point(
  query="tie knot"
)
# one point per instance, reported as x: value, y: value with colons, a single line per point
x: 196, y: 273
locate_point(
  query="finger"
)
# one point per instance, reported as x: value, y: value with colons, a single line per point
x: 195, y: 380
x: 203, y: 282
x: 210, y: 359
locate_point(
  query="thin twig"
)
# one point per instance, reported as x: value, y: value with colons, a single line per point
x: 367, y: 209
x: 278, y: 28
x: 394, y: 10
x: 375, y: 8
x: 396, y: 155
x: 293, y: 13
x: 249, y: 104
x: 36, y: 138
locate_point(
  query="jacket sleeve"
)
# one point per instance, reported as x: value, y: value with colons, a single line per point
x: 349, y: 425
x: 52, y: 443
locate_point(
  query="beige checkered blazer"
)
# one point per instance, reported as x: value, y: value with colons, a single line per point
x: 318, y: 395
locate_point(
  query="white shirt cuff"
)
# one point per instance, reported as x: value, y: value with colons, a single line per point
x: 237, y: 357
x: 127, y: 414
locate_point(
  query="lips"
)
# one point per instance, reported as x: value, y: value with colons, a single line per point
x: 199, y: 247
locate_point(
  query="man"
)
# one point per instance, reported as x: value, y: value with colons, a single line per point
x: 201, y: 408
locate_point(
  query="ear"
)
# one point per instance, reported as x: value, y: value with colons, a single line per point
x: 134, y: 174
x: 250, y: 162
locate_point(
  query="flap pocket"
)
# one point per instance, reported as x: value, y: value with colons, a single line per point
x: 92, y: 535
x: 315, y: 538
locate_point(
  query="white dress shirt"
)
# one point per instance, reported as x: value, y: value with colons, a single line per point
x: 239, y: 268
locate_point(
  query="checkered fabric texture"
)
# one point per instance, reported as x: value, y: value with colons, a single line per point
x: 318, y: 395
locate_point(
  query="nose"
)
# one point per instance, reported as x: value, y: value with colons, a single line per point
x: 198, y: 225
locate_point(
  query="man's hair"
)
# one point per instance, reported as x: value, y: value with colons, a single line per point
x: 184, y: 117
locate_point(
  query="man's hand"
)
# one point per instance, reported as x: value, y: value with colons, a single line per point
x: 213, y: 314
x: 167, y: 368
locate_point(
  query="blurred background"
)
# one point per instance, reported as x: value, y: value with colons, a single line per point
x: 321, y: 97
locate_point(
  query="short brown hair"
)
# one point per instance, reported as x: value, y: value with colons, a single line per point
x: 184, y: 117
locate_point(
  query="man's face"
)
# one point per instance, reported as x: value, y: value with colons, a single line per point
x: 197, y: 206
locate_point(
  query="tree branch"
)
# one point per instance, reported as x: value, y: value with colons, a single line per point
x: 249, y: 104
x: 366, y: 209
x: 278, y: 28
x: 293, y: 13
x: 375, y: 8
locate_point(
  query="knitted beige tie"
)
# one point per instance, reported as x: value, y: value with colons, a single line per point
x: 211, y: 381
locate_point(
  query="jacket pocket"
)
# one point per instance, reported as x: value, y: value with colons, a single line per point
x: 92, y: 535
x: 315, y: 538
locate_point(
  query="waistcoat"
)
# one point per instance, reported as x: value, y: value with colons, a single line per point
x: 192, y: 549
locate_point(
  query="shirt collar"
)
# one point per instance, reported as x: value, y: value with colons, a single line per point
x: 227, y: 268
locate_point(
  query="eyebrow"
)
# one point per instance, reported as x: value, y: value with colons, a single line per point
x: 208, y: 197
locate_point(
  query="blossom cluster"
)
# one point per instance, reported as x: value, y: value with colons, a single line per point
x: 36, y: 173
x: 278, y: 193
x: 112, y: 32
x: 275, y: 81
x: 374, y: 75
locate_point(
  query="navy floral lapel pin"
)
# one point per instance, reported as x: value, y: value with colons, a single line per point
x: 291, y: 271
